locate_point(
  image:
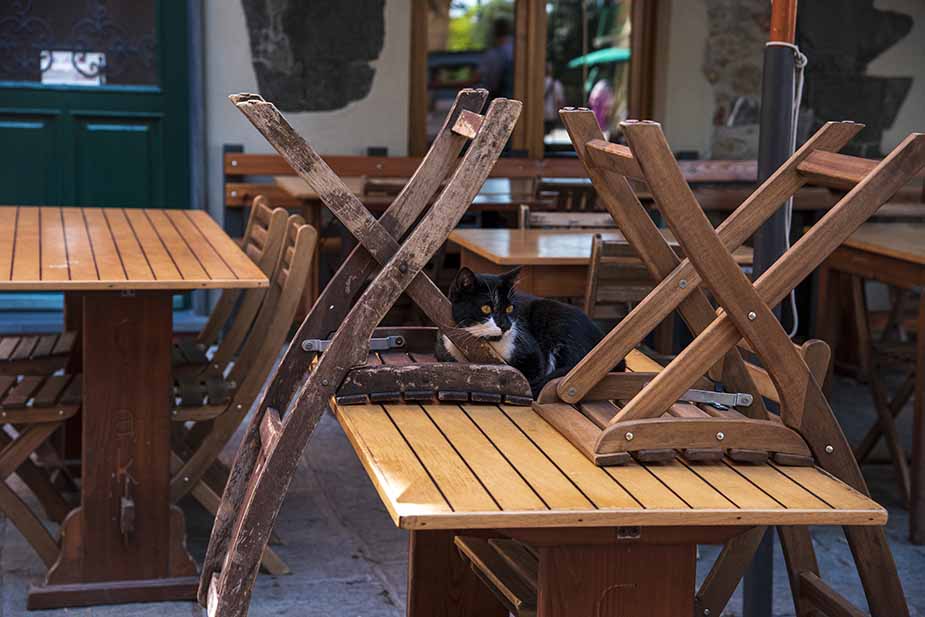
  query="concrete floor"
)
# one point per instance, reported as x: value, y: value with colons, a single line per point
x: 349, y: 561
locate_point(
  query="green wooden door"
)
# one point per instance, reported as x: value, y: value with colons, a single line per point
x: 94, y: 106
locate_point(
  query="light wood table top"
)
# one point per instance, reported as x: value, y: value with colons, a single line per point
x: 546, y: 247
x: 74, y: 249
x: 905, y: 241
x: 471, y: 466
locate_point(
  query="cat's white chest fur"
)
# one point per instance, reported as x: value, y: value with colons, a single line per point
x: 504, y: 347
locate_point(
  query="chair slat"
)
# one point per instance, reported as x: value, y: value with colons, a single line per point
x: 20, y: 394
x: 7, y: 346
x: 65, y: 343
x: 45, y: 345
x: 24, y: 349
x: 48, y: 394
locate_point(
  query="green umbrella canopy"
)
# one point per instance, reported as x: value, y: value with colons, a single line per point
x: 601, y: 56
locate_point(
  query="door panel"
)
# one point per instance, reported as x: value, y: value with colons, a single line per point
x: 28, y: 159
x: 119, y: 162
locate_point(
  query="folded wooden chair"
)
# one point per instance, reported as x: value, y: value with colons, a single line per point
x: 612, y: 417
x: 31, y: 409
x: 212, y: 404
x: 47, y: 353
x: 399, y: 244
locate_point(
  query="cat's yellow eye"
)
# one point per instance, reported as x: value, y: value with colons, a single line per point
x: 509, y: 309
x: 486, y: 309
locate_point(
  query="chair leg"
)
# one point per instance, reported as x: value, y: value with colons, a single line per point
x: 871, y: 369
x: 902, y: 396
x: 28, y: 525
x: 917, y: 508
x: 800, y: 557
x: 727, y: 571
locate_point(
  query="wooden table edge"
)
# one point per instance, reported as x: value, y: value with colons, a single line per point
x: 132, y: 285
x: 641, y: 518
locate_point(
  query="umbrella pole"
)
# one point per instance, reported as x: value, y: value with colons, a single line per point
x: 774, y: 147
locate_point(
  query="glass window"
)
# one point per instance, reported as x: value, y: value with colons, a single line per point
x: 470, y: 43
x: 587, y: 64
x: 79, y: 42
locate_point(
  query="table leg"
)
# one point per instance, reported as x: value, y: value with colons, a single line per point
x: 917, y: 512
x: 616, y: 580
x: 311, y: 212
x: 441, y: 584
x: 125, y: 543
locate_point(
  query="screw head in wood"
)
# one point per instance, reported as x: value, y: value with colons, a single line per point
x: 706, y: 612
x: 307, y: 346
x: 234, y: 193
x: 403, y: 268
x: 829, y: 449
x: 629, y: 436
x: 720, y: 436
x: 324, y: 382
x: 683, y: 285
x: 572, y: 391
x: 752, y: 315
x: 60, y: 412
x: 331, y: 308
x: 186, y: 478
x: 234, y: 163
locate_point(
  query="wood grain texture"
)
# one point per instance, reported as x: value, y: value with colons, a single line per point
x: 537, y: 478
x: 71, y: 249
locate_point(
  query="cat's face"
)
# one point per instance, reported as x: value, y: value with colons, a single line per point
x: 483, y: 303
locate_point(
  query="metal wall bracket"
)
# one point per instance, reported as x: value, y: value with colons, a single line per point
x: 375, y: 344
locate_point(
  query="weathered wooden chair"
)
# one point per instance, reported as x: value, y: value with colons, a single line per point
x: 617, y: 279
x: 613, y: 418
x: 45, y: 354
x: 33, y: 407
x: 318, y: 365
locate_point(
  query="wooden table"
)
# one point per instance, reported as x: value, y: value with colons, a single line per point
x: 892, y: 253
x: 619, y: 537
x: 555, y: 261
x: 497, y: 195
x: 123, y: 265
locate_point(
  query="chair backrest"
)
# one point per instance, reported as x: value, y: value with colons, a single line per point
x: 262, y: 242
x: 531, y: 219
x: 617, y: 278
x: 273, y: 322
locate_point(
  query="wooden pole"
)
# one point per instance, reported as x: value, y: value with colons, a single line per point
x: 771, y: 240
x: 783, y: 21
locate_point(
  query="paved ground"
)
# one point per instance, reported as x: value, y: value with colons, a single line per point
x: 349, y: 561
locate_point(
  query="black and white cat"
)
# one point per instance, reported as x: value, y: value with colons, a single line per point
x: 541, y: 338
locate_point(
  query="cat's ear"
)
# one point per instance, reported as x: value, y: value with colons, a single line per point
x: 463, y: 283
x: 510, y: 277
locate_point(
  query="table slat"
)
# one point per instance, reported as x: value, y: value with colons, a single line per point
x: 7, y: 236
x: 394, y: 468
x: 81, y: 263
x: 54, y: 249
x: 461, y: 489
x: 779, y: 486
x: 178, y: 247
x: 207, y: 257
x: 128, y: 245
x: 240, y: 264
x: 734, y: 487
x: 27, y: 252
x: 152, y: 246
x: 544, y: 477
x: 494, y: 471
x: 600, y: 488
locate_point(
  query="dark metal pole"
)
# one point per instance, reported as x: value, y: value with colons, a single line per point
x: 774, y: 147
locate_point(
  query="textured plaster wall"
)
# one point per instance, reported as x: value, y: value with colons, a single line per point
x: 379, y: 119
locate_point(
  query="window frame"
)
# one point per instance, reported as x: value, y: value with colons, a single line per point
x: 530, y: 71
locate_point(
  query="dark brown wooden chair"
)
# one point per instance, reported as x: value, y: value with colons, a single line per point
x: 33, y: 407
x: 617, y: 279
